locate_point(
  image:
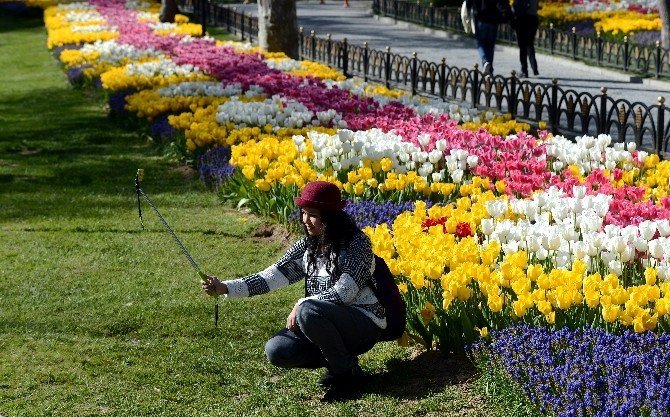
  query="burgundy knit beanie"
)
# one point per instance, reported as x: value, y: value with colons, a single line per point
x: 321, y: 195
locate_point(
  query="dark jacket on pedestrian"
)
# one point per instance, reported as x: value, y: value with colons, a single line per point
x: 525, y: 8
x: 491, y: 11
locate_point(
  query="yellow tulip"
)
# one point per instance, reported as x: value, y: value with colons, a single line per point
x: 495, y: 303
x: 650, y: 275
x: 611, y: 313
x: 519, y: 308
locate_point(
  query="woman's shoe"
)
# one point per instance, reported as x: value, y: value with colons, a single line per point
x: 326, y: 380
x: 343, y: 386
x: 488, y: 68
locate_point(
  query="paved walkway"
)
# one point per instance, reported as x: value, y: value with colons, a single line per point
x: 358, y: 25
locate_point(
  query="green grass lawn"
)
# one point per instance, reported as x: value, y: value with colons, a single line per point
x: 98, y: 317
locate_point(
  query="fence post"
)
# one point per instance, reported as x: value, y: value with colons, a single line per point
x: 475, y: 86
x: 658, y: 58
x: 301, y: 43
x: 395, y: 10
x: 242, y: 16
x: 345, y: 58
x: 512, y: 95
x: 574, y: 43
x: 366, y: 61
x: 554, y: 106
x: 227, y: 13
x: 329, y: 45
x: 603, y: 110
x: 431, y: 15
x: 387, y: 68
x: 626, y: 53
x: 203, y: 16
x: 552, y: 38
x: 413, y: 74
x: 660, y: 126
x: 235, y: 27
x: 443, y: 78
x: 313, y: 46
x: 599, y: 48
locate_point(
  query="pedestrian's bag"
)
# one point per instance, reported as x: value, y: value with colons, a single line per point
x: 467, y: 18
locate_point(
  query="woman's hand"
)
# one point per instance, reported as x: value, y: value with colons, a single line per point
x: 212, y: 286
x: 292, y: 320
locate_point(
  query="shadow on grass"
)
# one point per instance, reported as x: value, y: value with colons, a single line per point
x: 427, y: 373
x: 54, y: 112
x: 60, y: 147
x: 23, y: 17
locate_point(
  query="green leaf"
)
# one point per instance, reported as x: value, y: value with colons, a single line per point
x: 242, y: 203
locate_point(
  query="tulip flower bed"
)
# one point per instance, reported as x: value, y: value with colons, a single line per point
x: 485, y: 225
x: 612, y: 18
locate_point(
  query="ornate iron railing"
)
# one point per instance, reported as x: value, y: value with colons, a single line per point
x: 219, y: 14
x: 564, y: 110
x: 626, y: 56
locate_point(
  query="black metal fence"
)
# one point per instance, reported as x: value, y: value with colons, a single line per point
x: 221, y: 15
x: 627, y: 56
x: 565, y: 111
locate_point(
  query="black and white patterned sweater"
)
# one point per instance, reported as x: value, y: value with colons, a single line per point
x: 352, y: 288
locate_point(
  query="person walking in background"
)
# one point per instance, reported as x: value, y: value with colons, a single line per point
x: 488, y: 15
x: 525, y: 25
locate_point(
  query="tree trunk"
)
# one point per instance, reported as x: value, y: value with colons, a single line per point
x: 278, y: 26
x: 168, y: 11
x: 664, y: 9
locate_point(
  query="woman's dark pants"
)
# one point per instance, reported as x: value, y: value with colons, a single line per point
x: 330, y: 335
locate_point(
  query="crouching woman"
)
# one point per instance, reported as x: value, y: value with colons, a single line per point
x: 340, y: 317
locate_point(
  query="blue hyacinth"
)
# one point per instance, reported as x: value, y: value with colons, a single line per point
x: 587, y: 372
x: 161, y: 128
x: 368, y: 213
x: 214, y: 166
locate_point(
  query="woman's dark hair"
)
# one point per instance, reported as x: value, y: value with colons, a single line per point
x: 338, y: 230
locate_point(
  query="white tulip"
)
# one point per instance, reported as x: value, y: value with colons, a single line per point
x: 510, y: 247
x: 663, y: 227
x: 640, y: 244
x: 663, y: 272
x: 551, y: 241
x: 424, y: 139
x: 457, y: 176
x: 496, y: 208
x: 627, y: 254
x: 578, y: 191
x: 487, y: 226
x: 615, y: 267
x: 533, y: 243
x: 656, y: 249
x: 579, y: 250
x: 434, y: 156
x: 647, y: 229
x: 562, y: 259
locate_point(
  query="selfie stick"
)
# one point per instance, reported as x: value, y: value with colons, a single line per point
x: 138, y: 178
